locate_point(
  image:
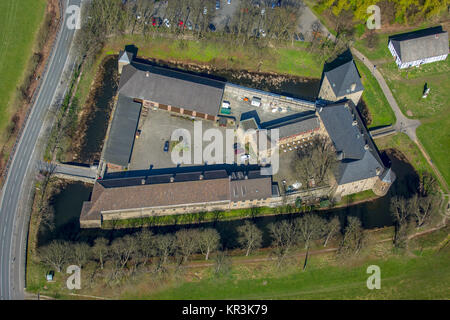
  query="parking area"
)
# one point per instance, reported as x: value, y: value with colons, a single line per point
x: 156, y: 129
x: 286, y: 172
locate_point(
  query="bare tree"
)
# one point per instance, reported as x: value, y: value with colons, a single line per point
x: 187, y: 243
x: 332, y: 227
x: 165, y: 246
x: 309, y: 226
x: 100, y: 250
x: 122, y: 250
x: 55, y: 254
x: 250, y: 237
x: 208, y: 241
x: 284, y: 235
x: 222, y: 263
x: 80, y: 253
x: 146, y: 245
x: 315, y: 160
x: 354, y: 238
x: 401, y: 209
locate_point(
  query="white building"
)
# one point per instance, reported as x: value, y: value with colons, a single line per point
x: 416, y: 48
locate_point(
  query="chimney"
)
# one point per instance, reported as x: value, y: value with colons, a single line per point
x: 353, y: 86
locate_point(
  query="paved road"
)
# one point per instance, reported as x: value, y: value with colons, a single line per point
x: 13, y: 221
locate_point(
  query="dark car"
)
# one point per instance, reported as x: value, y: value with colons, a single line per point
x: 212, y: 27
x: 166, y: 146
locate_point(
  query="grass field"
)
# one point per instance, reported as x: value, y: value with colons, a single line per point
x: 379, y: 108
x: 19, y: 22
x: 421, y: 274
x: 293, y: 60
x: 409, y: 149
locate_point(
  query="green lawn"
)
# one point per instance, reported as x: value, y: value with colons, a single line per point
x: 374, y: 98
x: 19, y: 22
x: 285, y: 59
x: 403, y: 143
x: 423, y: 277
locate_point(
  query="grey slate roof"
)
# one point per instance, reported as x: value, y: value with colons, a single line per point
x: 349, y: 140
x: 170, y: 87
x: 292, y: 126
x: 122, y: 132
x: 342, y: 77
x: 421, y: 44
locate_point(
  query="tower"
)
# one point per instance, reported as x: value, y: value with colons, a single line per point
x: 125, y: 58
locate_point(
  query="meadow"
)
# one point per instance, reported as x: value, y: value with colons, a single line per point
x: 19, y: 23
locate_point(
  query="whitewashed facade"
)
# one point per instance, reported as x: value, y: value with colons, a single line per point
x: 407, y: 64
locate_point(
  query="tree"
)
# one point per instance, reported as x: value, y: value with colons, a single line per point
x: 250, y: 237
x: 55, y: 254
x: 332, y: 227
x: 186, y: 243
x: 400, y: 210
x: 208, y: 241
x: 284, y: 235
x: 309, y: 226
x: 165, y: 246
x: 354, y: 238
x: 100, y: 250
x: 315, y: 160
x: 222, y: 263
x: 146, y: 245
x: 122, y: 250
x: 80, y: 253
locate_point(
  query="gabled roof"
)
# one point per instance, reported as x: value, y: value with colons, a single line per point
x: 421, y: 44
x: 342, y: 78
x: 120, y: 141
x: 359, y: 158
x: 171, y: 87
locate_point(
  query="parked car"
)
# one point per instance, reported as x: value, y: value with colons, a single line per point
x: 245, y: 157
x: 205, y: 10
x: 262, y: 33
x: 166, y: 146
x: 229, y: 1
x: 167, y: 22
x: 236, y: 145
x: 212, y: 27
x: 180, y: 23
x: 217, y: 4
x: 189, y: 25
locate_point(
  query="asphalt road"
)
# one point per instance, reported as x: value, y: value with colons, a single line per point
x: 13, y: 226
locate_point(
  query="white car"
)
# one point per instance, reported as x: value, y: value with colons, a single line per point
x: 166, y: 23
x: 245, y: 157
x: 205, y: 11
